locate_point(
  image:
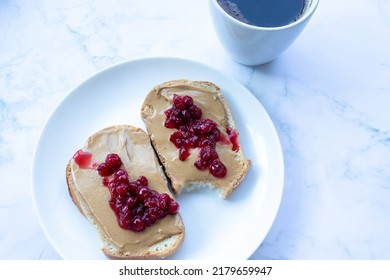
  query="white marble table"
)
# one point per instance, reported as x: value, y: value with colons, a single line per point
x: 328, y: 96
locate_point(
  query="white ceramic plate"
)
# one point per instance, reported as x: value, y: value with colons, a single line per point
x: 215, y: 228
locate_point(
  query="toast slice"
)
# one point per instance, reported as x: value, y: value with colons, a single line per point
x: 183, y: 165
x: 87, y: 191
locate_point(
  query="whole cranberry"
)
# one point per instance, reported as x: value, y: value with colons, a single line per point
x: 121, y: 176
x: 188, y: 101
x: 183, y: 153
x: 208, y: 154
x: 178, y: 101
x: 143, y: 181
x: 137, y: 224
x: 131, y: 202
x: 218, y: 169
x: 143, y: 192
x: 113, y: 161
x: 104, y: 170
x: 200, y: 164
x: 122, y: 189
x: 173, y: 207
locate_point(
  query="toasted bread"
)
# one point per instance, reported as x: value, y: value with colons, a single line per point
x: 159, y: 240
x: 182, y: 173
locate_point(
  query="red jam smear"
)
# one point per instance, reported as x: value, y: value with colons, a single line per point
x: 83, y: 159
x: 194, y: 132
x: 233, y: 138
x: 135, y: 205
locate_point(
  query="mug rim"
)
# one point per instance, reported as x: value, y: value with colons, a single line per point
x: 308, y: 13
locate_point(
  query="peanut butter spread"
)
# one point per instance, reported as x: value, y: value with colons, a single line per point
x: 183, y: 173
x: 138, y: 159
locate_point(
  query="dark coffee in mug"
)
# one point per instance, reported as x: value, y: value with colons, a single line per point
x: 264, y: 13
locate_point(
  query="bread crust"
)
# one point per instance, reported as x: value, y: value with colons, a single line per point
x: 216, y: 91
x: 159, y: 250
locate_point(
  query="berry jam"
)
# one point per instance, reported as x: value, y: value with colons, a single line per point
x: 111, y: 164
x: 135, y: 205
x: 194, y: 132
x: 83, y: 159
x: 233, y: 138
